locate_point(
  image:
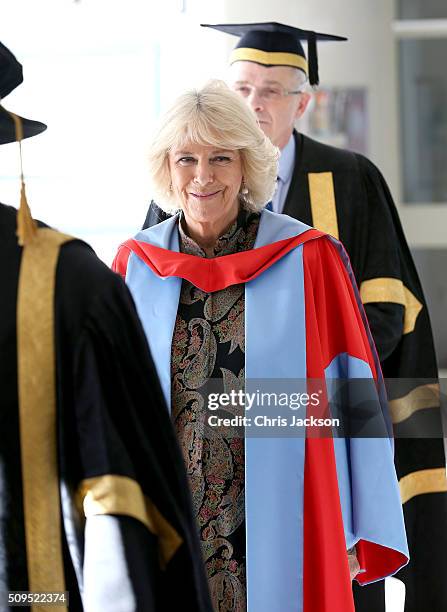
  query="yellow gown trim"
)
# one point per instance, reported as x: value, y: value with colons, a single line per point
x: 424, y: 396
x: 422, y: 482
x: 112, y: 494
x: 392, y: 290
x: 322, y: 202
x: 37, y: 414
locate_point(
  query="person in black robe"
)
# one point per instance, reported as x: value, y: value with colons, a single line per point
x: 344, y: 194
x: 94, y: 499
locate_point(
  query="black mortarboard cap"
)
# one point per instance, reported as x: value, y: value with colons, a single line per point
x: 11, y: 76
x: 15, y: 128
x: 8, y: 127
x: 276, y: 44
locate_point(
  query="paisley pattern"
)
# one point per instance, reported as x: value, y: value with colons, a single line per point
x: 209, y: 343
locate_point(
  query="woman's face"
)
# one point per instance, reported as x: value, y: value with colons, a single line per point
x: 206, y: 181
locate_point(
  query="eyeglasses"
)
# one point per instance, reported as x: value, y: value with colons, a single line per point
x: 270, y: 92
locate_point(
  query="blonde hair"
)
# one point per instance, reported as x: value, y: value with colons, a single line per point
x: 216, y: 116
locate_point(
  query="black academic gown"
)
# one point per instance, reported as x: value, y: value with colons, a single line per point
x: 111, y: 421
x: 368, y: 225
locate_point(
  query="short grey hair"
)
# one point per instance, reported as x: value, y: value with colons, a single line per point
x: 216, y: 116
x: 301, y: 79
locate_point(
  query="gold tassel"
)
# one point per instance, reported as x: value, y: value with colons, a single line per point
x: 26, y: 226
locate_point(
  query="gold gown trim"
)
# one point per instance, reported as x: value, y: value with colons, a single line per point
x: 421, y: 482
x: 419, y: 398
x: 392, y: 290
x: 322, y: 202
x: 112, y: 494
x: 37, y: 414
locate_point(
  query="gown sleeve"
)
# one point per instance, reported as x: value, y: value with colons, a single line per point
x: 380, y: 281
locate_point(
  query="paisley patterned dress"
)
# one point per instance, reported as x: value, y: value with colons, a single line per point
x: 209, y: 344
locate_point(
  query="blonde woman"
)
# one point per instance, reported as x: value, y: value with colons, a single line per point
x: 229, y: 292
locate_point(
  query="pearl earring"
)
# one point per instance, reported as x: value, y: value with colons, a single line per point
x: 244, y: 190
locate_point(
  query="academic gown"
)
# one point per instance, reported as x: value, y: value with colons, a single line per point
x: 344, y: 194
x: 306, y: 500
x: 127, y: 536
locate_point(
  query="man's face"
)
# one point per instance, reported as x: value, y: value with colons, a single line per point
x: 276, y: 115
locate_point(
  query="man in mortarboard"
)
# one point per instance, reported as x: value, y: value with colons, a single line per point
x: 93, y: 495
x: 344, y: 194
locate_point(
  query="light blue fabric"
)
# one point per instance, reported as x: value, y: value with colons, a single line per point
x: 157, y: 299
x: 369, y: 494
x: 274, y: 467
x: 381, y: 388
x: 274, y: 227
x: 285, y: 173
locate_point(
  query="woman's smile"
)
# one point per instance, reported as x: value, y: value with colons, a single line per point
x: 204, y: 196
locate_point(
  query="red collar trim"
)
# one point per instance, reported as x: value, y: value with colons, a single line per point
x: 220, y: 272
